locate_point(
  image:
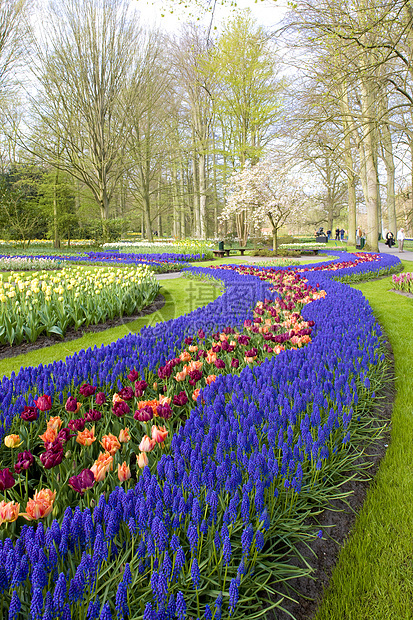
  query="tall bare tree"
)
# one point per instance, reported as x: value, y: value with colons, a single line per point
x: 89, y: 68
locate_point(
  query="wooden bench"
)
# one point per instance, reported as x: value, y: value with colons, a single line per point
x: 242, y: 250
x: 220, y: 253
x: 226, y: 251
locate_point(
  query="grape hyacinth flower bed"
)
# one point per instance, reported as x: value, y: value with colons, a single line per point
x: 136, y: 258
x: 249, y: 448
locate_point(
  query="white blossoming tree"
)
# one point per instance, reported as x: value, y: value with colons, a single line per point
x: 259, y: 193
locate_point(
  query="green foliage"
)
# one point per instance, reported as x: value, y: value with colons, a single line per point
x: 20, y: 215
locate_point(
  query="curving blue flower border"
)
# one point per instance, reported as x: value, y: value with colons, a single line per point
x: 247, y: 436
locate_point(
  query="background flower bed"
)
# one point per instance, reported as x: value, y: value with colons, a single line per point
x: 403, y: 282
x: 52, y: 302
x: 296, y: 397
x: 28, y: 263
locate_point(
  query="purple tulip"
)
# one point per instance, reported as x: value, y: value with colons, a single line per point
x: 7, y: 480
x: 100, y: 398
x: 83, y: 481
x: 234, y: 362
x: 164, y: 411
x: 87, y: 390
x: 180, y: 399
x: 140, y: 387
x: 29, y: 414
x: 71, y: 404
x: 77, y: 425
x: 64, y: 435
x: 126, y: 393
x: 133, y: 375
x: 120, y: 409
x: 53, y: 455
x: 93, y: 415
x: 24, y: 461
x: 145, y: 414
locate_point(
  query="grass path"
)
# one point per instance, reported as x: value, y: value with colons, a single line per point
x: 373, y: 579
x: 181, y: 296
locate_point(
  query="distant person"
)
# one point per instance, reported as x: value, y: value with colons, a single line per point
x: 400, y: 239
x: 342, y: 231
x: 358, y: 237
x: 337, y: 234
x: 390, y: 242
x: 329, y: 234
x: 363, y: 240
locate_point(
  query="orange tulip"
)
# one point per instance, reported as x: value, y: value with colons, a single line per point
x: 194, y: 366
x: 210, y: 379
x: 142, y: 460
x: 185, y: 356
x: 211, y: 357
x: 110, y: 444
x: 195, y: 394
x: 180, y: 376
x: 117, y: 399
x: 150, y: 403
x: 124, y: 436
x: 13, y: 441
x: 40, y: 506
x: 9, y: 511
x: 250, y: 360
x: 86, y: 437
x: 124, y: 472
x: 159, y: 434
x: 147, y: 444
x: 54, y: 422
x: 49, y: 435
x: 101, y: 466
x: 164, y: 400
x: 193, y: 348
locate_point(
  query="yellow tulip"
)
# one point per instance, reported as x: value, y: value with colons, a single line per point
x: 12, y: 441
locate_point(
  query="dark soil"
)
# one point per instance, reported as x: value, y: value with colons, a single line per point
x: 72, y: 334
x: 336, y: 523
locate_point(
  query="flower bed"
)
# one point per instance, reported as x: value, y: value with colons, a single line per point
x: 165, y: 257
x: 403, y: 282
x: 51, y: 303
x: 212, y: 520
x: 191, y: 246
x: 28, y: 263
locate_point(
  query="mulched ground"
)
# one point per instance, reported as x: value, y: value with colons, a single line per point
x: 72, y: 334
x: 337, y: 522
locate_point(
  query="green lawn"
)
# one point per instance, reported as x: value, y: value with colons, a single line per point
x: 181, y: 296
x: 373, y: 579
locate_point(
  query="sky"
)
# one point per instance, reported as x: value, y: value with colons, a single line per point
x: 267, y: 12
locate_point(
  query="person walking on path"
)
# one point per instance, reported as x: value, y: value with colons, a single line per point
x: 400, y: 239
x: 390, y: 242
x: 337, y: 234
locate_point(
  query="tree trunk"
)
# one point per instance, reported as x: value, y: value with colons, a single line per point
x: 202, y: 197
x: 56, y: 239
